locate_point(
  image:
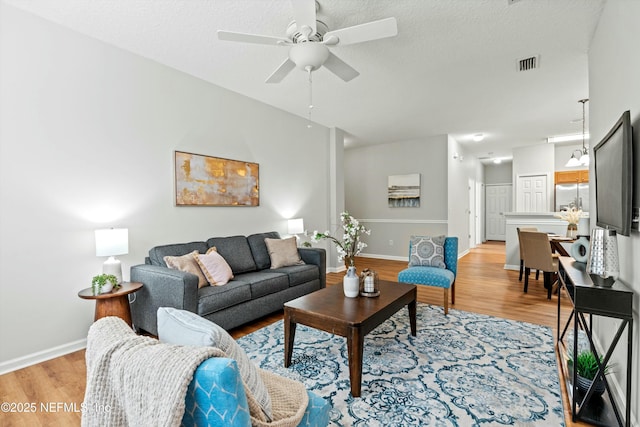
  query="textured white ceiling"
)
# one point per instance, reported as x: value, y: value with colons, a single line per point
x: 451, y: 69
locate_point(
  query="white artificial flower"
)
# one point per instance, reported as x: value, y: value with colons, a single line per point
x: 350, y: 245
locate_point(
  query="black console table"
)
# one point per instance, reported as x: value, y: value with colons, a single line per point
x: 588, y: 299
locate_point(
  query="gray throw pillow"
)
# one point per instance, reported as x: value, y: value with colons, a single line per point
x: 425, y: 251
x: 183, y: 327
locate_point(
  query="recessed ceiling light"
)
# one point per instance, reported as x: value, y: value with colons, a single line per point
x: 478, y: 137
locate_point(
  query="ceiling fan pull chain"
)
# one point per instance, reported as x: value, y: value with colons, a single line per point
x: 310, y: 95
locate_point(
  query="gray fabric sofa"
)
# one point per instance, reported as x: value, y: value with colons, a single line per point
x: 255, y: 291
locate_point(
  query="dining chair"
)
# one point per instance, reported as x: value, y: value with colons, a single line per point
x: 537, y: 255
x: 522, y: 250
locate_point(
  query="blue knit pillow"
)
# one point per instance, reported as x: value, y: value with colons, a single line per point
x: 425, y: 251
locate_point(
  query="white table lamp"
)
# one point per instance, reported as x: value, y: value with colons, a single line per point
x: 296, y: 226
x: 111, y: 242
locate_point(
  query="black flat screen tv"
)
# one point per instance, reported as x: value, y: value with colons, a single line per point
x: 613, y: 159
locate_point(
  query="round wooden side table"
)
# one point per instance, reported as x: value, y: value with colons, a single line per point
x: 114, y: 303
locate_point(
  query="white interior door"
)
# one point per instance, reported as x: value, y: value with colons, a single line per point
x: 532, y: 194
x: 497, y: 202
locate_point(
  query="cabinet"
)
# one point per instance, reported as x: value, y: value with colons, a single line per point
x: 588, y: 300
x: 572, y: 177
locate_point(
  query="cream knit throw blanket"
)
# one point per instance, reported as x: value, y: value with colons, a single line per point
x: 138, y: 381
x: 134, y: 380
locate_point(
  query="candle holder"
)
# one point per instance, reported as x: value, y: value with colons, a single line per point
x: 369, y: 283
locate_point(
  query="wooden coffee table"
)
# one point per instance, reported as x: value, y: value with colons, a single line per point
x: 329, y: 310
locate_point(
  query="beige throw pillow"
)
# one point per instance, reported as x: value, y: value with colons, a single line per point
x: 214, y: 267
x: 283, y: 252
x: 187, y: 263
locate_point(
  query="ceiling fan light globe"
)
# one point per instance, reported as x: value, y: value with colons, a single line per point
x: 309, y: 55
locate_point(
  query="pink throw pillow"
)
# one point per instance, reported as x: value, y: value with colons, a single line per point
x: 214, y: 267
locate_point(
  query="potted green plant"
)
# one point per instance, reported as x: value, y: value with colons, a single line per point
x: 586, y: 366
x: 103, y: 283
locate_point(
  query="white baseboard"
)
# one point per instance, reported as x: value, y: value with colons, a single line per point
x: 41, y: 356
x: 389, y: 257
x: 511, y: 267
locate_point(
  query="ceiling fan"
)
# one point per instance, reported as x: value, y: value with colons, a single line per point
x: 309, y: 40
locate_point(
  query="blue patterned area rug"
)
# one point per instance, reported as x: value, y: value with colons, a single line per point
x: 464, y: 369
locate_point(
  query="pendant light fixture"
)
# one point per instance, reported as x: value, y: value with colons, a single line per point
x: 574, y: 161
x: 582, y: 159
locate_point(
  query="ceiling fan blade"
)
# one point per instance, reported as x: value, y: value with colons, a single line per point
x: 281, y: 72
x: 304, y: 12
x: 364, y: 32
x: 340, y: 68
x: 251, y: 38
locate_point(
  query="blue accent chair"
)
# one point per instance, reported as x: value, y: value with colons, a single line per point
x: 433, y: 276
x: 216, y: 397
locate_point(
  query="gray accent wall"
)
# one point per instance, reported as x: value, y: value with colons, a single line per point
x: 498, y: 174
x: 87, y: 139
x: 366, y: 178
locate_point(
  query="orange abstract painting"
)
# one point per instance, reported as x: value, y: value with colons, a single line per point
x: 213, y: 181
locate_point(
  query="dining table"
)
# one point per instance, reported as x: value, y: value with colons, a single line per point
x: 561, y: 244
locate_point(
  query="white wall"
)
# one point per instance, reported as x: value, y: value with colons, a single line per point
x: 366, y: 178
x: 87, y: 138
x: 462, y: 173
x: 614, y: 87
x: 498, y: 174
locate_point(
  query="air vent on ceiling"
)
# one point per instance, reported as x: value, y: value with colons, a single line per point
x: 530, y: 63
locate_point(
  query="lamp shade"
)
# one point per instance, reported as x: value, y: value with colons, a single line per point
x: 584, y: 159
x: 573, y: 161
x: 112, y: 241
x: 296, y: 226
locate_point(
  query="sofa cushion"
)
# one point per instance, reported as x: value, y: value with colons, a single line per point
x: 214, y: 267
x: 425, y: 251
x: 264, y: 282
x: 187, y: 263
x: 215, y: 298
x: 259, y: 248
x: 236, y: 251
x: 157, y: 254
x: 299, y: 274
x: 182, y: 327
x: 283, y: 252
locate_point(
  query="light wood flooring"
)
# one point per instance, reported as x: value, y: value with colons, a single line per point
x: 482, y: 286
